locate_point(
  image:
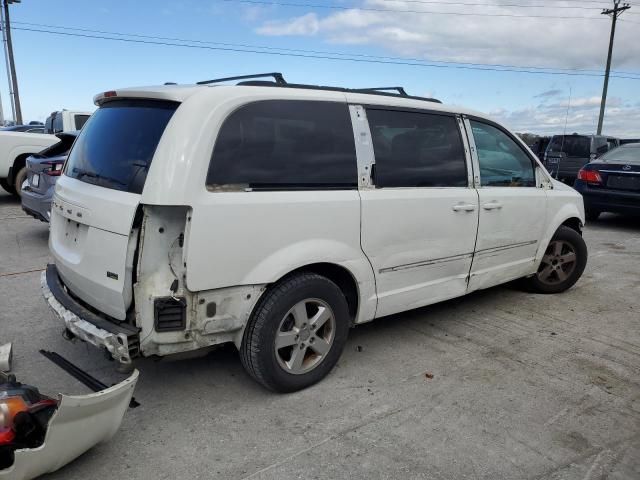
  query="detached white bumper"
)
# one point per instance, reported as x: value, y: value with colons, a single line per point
x: 79, y: 423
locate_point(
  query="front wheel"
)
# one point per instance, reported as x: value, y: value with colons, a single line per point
x: 4, y: 183
x: 20, y: 178
x: 296, y: 333
x: 562, y: 264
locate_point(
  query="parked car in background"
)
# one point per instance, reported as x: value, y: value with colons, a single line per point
x: 566, y: 154
x: 65, y: 121
x: 43, y: 169
x: 539, y: 147
x: 276, y: 216
x: 15, y: 147
x: 612, y: 182
x: 24, y: 128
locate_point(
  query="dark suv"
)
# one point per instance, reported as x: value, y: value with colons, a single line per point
x: 566, y: 154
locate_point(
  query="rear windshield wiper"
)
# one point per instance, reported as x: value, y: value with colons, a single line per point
x: 86, y: 173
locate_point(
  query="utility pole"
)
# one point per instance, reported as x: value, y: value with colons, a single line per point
x: 12, y: 65
x: 614, y: 12
x: 6, y: 59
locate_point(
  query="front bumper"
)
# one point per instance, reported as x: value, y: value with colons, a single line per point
x: 120, y: 340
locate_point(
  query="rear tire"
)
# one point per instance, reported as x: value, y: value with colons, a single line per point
x: 4, y: 183
x: 562, y: 264
x: 296, y: 333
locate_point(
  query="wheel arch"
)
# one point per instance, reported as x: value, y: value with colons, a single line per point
x: 569, y: 215
x: 573, y: 223
x: 17, y: 164
x: 338, y: 274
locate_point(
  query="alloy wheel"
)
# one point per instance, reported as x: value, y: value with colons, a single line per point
x: 558, y: 263
x: 305, y: 336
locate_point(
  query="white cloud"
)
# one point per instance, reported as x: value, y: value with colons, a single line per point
x: 560, y: 43
x: 305, y: 25
x: 621, y: 119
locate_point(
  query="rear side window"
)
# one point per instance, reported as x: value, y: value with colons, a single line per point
x: 417, y: 149
x: 116, y: 146
x: 283, y: 144
x: 80, y: 120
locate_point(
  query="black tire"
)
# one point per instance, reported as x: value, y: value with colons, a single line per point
x: 591, y: 215
x: 4, y: 183
x: 19, y: 178
x: 569, y: 240
x: 258, y: 352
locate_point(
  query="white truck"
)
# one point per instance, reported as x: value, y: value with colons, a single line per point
x: 65, y: 121
x: 15, y: 147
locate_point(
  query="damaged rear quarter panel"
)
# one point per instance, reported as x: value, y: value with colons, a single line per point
x: 161, y: 261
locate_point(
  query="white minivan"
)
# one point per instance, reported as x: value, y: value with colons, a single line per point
x: 276, y: 216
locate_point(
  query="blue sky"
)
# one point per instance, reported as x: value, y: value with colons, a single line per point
x: 58, y: 71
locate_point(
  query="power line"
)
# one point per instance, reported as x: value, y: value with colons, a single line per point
x: 389, y: 10
x: 492, y: 5
x: 322, y: 52
x: 321, y: 57
x: 503, y: 5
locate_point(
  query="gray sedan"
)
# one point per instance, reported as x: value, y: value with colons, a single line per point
x: 43, y: 169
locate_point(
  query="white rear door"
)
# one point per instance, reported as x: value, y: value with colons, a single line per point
x: 419, y: 211
x: 512, y: 207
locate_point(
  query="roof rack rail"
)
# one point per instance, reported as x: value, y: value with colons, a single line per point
x: 400, y: 90
x: 279, y: 79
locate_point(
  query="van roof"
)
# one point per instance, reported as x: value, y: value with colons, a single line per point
x: 180, y: 93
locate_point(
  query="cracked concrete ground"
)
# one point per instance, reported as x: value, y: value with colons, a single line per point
x: 524, y: 386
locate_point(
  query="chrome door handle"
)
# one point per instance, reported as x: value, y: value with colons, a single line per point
x: 492, y: 206
x: 464, y: 207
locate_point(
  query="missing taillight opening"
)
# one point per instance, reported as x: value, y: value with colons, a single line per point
x: 589, y: 176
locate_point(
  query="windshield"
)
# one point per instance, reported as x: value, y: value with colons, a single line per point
x: 624, y: 154
x: 572, y: 145
x: 116, y: 145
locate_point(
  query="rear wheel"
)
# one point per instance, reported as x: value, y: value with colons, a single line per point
x: 296, y: 333
x: 562, y: 264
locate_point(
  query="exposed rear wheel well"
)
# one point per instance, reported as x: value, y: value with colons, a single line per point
x: 341, y: 277
x: 574, y: 224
